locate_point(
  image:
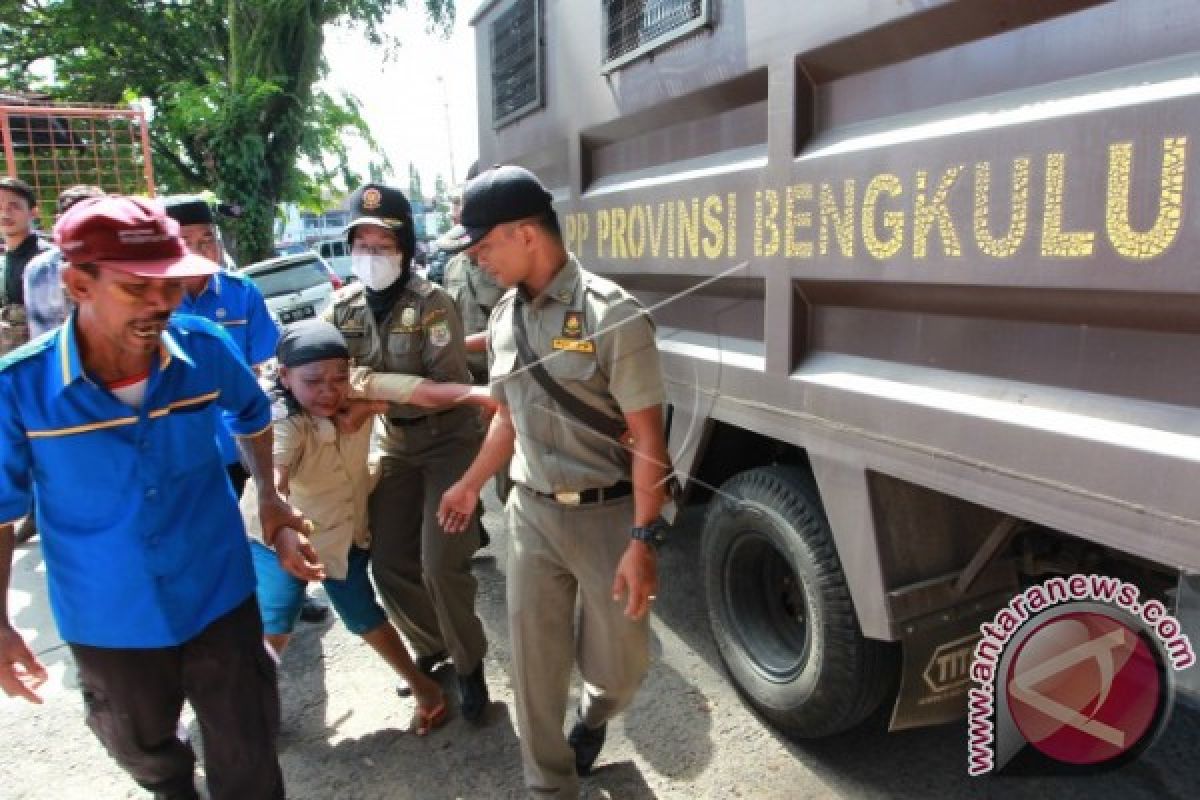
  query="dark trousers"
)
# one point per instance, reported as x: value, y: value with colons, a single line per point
x: 134, y: 698
x: 238, y: 477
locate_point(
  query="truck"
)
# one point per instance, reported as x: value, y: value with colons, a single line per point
x: 924, y: 274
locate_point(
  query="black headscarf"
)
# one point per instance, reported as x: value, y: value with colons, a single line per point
x: 304, y: 343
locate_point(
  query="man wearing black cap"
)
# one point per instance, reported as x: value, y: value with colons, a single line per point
x: 396, y: 321
x: 230, y: 300
x: 575, y: 370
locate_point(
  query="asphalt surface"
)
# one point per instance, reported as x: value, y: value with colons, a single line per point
x: 687, y: 735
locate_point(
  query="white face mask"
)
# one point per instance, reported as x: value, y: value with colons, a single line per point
x: 375, y: 271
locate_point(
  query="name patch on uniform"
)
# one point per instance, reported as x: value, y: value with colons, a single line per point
x: 574, y: 345
x: 572, y: 324
x: 433, y: 316
x: 439, y: 334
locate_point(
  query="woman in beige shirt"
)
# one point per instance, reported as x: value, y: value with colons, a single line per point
x: 322, y: 443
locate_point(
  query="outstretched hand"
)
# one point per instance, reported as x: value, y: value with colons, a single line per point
x: 20, y: 671
x: 297, y: 555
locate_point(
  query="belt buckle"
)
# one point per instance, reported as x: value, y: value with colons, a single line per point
x: 568, y: 498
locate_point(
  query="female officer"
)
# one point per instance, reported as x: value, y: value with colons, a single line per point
x: 396, y: 321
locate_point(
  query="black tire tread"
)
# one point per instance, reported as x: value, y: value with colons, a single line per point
x: 858, y: 672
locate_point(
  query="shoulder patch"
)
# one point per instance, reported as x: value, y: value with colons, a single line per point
x: 348, y: 292
x: 602, y: 287
x: 422, y: 287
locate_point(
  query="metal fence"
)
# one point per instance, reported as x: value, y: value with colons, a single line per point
x: 52, y: 147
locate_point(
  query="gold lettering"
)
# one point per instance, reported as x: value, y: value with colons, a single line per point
x: 1008, y: 244
x: 766, y: 221
x: 731, y: 226
x: 601, y: 231
x: 893, y: 221
x: 934, y: 209
x: 657, y: 225
x: 714, y: 241
x: 794, y: 218
x: 1145, y: 245
x: 689, y: 229
x: 637, y: 232
x: 583, y: 226
x: 618, y: 233
x: 670, y: 230
x: 1057, y: 243
x: 842, y: 218
x: 569, y: 232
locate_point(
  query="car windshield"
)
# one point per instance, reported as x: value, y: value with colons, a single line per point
x: 288, y: 278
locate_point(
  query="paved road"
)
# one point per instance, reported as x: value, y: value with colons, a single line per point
x: 687, y: 736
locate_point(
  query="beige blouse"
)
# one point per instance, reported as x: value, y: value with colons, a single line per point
x: 328, y: 474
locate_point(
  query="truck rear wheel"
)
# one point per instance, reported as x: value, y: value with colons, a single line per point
x: 780, y: 608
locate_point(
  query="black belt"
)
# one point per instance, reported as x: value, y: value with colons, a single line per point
x: 586, y: 496
x: 405, y: 421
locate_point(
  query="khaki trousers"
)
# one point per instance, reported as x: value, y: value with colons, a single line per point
x: 562, y: 556
x: 423, y: 574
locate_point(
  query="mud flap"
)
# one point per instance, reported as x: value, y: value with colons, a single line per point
x: 1187, y: 611
x: 937, y: 669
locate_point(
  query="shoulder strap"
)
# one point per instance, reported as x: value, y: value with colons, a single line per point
x: 594, y: 419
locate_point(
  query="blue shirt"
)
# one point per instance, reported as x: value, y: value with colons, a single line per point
x: 237, y: 305
x: 46, y: 302
x: 143, y: 542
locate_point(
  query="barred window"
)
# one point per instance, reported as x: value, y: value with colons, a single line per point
x: 635, y: 27
x: 516, y: 62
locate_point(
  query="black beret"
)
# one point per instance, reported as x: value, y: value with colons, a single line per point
x: 189, y: 210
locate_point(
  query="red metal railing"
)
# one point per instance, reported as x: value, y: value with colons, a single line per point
x: 52, y: 147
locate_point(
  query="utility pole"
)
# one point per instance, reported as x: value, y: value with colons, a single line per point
x: 449, y: 133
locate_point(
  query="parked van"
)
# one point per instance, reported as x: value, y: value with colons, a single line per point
x: 336, y: 253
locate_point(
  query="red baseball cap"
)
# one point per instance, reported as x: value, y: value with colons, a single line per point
x: 130, y: 234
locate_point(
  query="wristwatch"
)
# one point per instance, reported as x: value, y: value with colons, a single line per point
x: 654, y: 533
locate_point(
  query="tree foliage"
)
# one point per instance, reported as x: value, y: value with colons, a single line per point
x: 233, y: 84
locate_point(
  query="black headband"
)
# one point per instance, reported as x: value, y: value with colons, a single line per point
x: 309, y: 341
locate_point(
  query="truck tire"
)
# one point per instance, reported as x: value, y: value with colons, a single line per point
x: 780, y: 608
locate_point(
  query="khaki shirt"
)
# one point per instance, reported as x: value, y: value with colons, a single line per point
x: 475, y: 293
x: 598, y: 343
x: 329, y: 477
x: 422, y: 335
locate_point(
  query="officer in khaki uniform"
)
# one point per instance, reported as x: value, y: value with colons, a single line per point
x: 397, y: 322
x: 584, y: 516
x: 474, y: 291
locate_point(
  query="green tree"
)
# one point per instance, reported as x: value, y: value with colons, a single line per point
x: 414, y: 184
x: 232, y: 84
